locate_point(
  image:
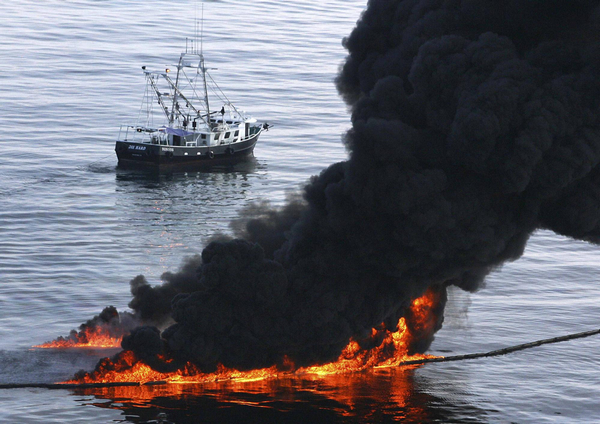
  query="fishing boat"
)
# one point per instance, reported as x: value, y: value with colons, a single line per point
x: 189, y: 132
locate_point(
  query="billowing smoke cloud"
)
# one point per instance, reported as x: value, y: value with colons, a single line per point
x: 475, y: 122
x: 152, y: 305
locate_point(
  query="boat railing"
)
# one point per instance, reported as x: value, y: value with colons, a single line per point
x: 139, y: 134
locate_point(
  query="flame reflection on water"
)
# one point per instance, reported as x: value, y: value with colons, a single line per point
x: 369, y: 396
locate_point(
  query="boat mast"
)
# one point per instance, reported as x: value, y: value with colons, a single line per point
x: 205, y: 87
x: 183, y: 96
x: 202, y: 65
x: 174, y: 114
x: 175, y: 106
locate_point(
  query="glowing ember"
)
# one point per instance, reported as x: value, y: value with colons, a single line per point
x: 396, y: 347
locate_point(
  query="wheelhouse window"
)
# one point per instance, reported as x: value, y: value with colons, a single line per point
x: 227, y: 134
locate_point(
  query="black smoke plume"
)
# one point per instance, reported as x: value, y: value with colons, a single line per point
x: 475, y: 122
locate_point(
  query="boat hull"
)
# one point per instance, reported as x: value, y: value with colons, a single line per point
x: 145, y: 155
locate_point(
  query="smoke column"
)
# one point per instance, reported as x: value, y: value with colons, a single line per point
x: 475, y: 122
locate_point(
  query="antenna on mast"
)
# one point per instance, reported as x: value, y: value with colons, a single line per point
x: 201, y: 28
x: 197, y: 30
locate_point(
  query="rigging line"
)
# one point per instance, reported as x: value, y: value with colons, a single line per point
x: 148, y: 103
x: 224, y: 96
x: 498, y: 352
x: 183, y: 96
x: 214, y: 92
x: 218, y: 88
x: 191, y: 83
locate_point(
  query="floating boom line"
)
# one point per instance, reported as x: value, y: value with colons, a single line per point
x: 502, y: 351
x: 498, y: 352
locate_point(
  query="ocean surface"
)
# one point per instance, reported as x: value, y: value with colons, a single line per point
x: 74, y: 229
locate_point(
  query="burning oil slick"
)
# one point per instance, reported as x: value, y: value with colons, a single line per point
x: 376, y: 396
x: 105, y: 330
x: 474, y: 124
x: 383, y: 348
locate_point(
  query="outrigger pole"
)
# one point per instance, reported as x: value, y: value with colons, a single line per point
x: 158, y: 94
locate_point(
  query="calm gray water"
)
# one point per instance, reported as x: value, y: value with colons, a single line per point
x: 74, y: 229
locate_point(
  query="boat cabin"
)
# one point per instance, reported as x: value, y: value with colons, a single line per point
x: 221, y: 132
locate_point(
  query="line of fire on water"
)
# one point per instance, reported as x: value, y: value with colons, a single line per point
x: 97, y: 337
x: 392, y: 351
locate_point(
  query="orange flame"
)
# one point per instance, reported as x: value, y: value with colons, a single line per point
x: 96, y: 337
x: 396, y: 346
x: 392, y: 351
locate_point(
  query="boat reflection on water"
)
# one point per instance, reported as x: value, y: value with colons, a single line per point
x: 382, y: 395
x: 184, y: 206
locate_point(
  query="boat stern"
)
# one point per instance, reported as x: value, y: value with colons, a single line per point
x: 142, y: 153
